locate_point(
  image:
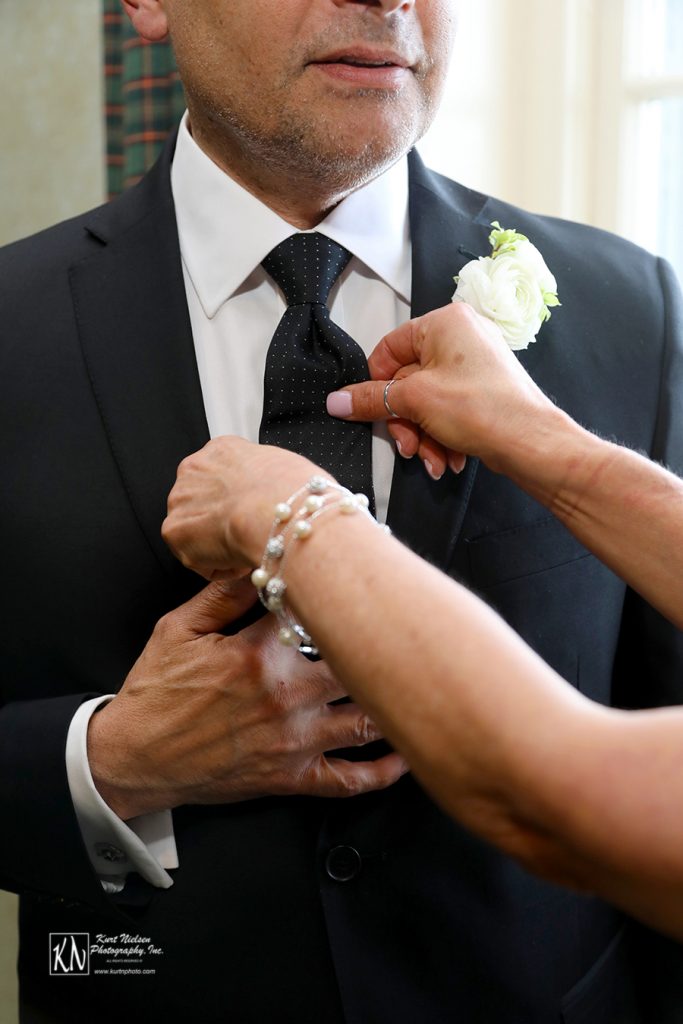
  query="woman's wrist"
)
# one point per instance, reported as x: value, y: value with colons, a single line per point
x: 551, y: 459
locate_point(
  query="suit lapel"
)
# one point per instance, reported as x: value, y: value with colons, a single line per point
x: 448, y: 228
x: 137, y: 343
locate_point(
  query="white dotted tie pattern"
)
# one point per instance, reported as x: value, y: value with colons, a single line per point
x: 309, y: 357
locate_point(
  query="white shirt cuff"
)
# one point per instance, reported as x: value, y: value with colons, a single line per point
x: 145, y: 844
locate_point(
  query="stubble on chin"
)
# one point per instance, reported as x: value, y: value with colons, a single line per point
x: 322, y: 152
x: 329, y: 151
x: 313, y: 138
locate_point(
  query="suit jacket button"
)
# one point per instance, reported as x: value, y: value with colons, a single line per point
x: 343, y: 863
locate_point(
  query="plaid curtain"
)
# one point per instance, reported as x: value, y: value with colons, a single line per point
x: 143, y: 98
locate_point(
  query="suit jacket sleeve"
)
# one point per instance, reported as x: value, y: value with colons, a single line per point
x: 55, y: 513
x: 42, y: 852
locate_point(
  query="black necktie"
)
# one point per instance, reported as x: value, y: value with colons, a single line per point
x: 308, y: 358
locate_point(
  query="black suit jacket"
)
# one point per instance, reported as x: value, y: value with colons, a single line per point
x: 100, y: 401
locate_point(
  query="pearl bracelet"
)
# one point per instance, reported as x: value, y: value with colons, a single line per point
x: 291, y: 524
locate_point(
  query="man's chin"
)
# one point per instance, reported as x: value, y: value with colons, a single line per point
x: 356, y: 126
x: 340, y: 171
x: 353, y: 153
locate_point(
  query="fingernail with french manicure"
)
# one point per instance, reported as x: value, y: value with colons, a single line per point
x: 340, y: 403
x: 399, y: 449
x: 430, y: 469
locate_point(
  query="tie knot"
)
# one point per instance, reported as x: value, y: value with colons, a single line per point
x: 306, y: 266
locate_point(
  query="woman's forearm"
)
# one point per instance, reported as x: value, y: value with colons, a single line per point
x: 578, y: 792
x: 627, y: 510
x: 499, y: 740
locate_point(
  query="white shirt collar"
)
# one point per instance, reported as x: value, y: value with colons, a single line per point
x: 225, y: 232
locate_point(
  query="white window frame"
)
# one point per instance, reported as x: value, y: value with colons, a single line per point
x: 542, y: 109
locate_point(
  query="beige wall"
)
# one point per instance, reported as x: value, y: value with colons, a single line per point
x: 51, y: 167
x: 8, y: 958
x: 51, y: 125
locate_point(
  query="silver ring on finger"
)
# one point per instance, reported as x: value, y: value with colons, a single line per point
x: 391, y: 412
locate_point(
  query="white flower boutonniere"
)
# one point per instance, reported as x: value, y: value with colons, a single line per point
x: 513, y: 287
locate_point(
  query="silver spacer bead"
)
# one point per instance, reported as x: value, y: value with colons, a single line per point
x: 276, y: 587
x: 301, y: 633
x: 317, y: 485
x: 275, y: 548
x: 308, y: 647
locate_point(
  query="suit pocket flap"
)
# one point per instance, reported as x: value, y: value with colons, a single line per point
x: 522, y: 551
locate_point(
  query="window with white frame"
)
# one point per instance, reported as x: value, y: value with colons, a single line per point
x: 572, y: 108
x: 652, y: 188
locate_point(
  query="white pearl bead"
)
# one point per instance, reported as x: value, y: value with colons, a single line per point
x: 362, y: 500
x: 283, y: 512
x: 347, y: 505
x: 259, y: 578
x: 302, y: 529
x: 313, y: 503
x: 288, y: 637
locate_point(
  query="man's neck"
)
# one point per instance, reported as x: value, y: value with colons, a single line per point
x: 302, y: 203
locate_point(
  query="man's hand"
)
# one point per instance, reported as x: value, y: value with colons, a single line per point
x: 204, y: 718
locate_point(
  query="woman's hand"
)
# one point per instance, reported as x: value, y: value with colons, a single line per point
x: 222, y: 504
x: 458, y: 391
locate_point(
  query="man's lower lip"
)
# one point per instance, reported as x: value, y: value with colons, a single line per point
x: 383, y: 77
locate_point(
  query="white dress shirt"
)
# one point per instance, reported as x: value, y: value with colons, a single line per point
x: 235, y: 307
